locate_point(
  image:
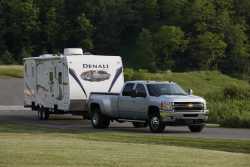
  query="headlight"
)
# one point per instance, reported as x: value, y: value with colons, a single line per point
x: 205, y: 106
x: 168, y: 106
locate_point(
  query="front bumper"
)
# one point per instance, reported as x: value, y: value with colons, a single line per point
x: 184, y: 118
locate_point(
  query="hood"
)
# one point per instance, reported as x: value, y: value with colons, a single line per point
x: 182, y: 98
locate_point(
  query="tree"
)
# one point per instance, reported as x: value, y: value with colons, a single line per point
x: 171, y: 11
x: 85, y: 32
x: 238, y: 53
x: 167, y: 41
x: 206, y: 50
x: 145, y: 55
x: 198, y: 15
x: 21, y: 24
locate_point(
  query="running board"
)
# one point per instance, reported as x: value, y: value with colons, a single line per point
x: 130, y: 120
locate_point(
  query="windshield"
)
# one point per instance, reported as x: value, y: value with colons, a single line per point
x: 165, y: 89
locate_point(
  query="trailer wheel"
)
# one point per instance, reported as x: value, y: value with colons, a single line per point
x: 46, y: 114
x: 98, y: 120
x: 43, y: 113
x: 39, y: 114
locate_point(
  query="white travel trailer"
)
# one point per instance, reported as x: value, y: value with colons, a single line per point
x: 58, y: 84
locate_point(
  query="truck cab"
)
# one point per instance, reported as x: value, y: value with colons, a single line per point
x: 152, y: 103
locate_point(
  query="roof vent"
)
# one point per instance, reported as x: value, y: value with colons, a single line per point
x: 73, y: 51
x: 46, y: 55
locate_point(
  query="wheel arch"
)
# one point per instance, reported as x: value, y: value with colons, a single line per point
x: 93, y: 106
x: 153, y: 109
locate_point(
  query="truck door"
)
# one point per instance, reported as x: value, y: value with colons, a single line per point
x: 125, y: 105
x: 140, y: 102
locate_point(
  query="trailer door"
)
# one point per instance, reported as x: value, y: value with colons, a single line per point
x: 60, y: 78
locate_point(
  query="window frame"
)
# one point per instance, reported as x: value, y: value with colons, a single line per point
x: 129, y: 93
x: 145, y: 90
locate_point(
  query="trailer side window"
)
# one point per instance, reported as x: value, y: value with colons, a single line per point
x: 128, y: 89
x: 51, y: 76
x: 60, y: 77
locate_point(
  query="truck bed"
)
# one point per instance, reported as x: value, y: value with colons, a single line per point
x: 107, y: 101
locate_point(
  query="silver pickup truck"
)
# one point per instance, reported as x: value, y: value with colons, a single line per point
x: 144, y: 103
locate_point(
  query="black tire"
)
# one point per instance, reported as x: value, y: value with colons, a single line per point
x: 196, y: 128
x: 43, y: 113
x: 98, y: 120
x: 156, y: 124
x: 140, y: 124
x: 39, y: 114
x: 46, y: 114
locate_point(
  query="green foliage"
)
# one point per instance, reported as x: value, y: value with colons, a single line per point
x: 11, y: 71
x: 168, y: 40
x: 209, y: 47
x: 157, y: 35
x: 145, y: 55
x: 6, y: 58
x: 236, y: 92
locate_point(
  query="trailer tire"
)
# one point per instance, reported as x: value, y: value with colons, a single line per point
x: 98, y: 120
x: 41, y: 114
x: 46, y: 114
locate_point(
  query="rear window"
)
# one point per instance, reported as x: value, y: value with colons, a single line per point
x: 128, y: 89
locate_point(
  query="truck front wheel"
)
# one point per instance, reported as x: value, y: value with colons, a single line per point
x: 196, y: 128
x: 155, y: 123
x: 98, y: 120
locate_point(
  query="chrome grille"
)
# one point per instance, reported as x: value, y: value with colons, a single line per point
x: 188, y: 106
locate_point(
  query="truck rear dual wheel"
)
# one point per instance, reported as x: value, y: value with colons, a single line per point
x: 98, y: 120
x: 196, y: 128
x: 156, y: 124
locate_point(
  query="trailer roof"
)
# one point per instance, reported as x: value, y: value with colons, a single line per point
x: 48, y: 57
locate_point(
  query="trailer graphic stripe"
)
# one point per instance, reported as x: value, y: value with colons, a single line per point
x: 118, y: 73
x: 73, y: 74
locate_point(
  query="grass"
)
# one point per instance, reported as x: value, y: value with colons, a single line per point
x: 15, y: 71
x: 51, y: 150
x: 23, y: 145
x: 237, y: 146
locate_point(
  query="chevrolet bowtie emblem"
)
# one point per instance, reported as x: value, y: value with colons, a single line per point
x: 190, y: 105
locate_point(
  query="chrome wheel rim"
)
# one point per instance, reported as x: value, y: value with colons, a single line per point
x: 155, y: 122
x: 95, y: 118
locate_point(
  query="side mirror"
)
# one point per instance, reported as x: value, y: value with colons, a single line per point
x: 190, y: 92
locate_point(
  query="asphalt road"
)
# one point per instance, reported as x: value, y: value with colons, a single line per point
x: 20, y: 116
x: 11, y: 91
